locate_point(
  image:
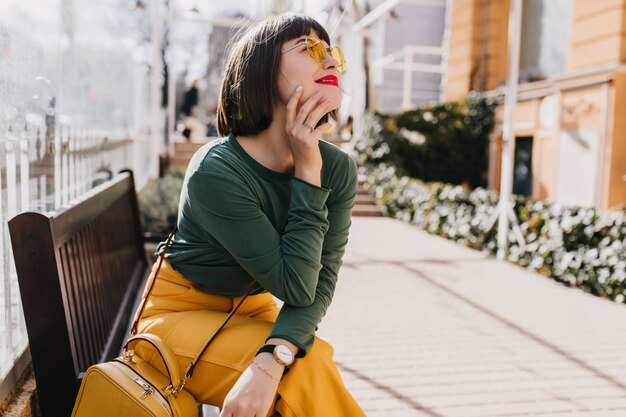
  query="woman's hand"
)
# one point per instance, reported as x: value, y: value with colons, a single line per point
x: 304, y: 137
x: 254, y: 392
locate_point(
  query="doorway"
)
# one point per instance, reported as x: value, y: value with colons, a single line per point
x: 522, y: 166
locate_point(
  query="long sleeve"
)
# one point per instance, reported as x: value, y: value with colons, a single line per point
x: 296, y: 323
x: 239, y: 223
x: 286, y: 265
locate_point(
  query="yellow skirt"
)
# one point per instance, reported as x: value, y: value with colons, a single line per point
x: 184, y: 317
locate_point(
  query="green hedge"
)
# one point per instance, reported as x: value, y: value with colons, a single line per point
x: 576, y: 246
x: 444, y: 142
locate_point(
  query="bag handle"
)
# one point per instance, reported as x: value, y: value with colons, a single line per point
x: 171, y: 364
x: 176, y: 388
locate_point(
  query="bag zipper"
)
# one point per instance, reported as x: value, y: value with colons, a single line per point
x: 148, y: 388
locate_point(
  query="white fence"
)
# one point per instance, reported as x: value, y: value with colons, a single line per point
x: 40, y: 174
x: 74, y: 109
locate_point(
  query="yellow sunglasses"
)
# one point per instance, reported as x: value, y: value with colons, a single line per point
x: 318, y: 51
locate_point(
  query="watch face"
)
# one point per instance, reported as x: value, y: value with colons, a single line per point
x: 283, y: 354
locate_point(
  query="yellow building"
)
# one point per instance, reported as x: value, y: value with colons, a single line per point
x: 569, y: 125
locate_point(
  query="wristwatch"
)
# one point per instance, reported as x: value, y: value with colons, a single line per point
x: 281, y: 353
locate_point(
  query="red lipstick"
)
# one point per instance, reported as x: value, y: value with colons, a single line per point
x: 329, y: 80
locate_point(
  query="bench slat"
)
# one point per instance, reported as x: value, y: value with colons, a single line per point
x: 98, y: 320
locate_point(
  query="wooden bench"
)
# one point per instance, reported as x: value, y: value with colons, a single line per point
x: 80, y: 272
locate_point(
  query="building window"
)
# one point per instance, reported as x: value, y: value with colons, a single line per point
x: 545, y: 38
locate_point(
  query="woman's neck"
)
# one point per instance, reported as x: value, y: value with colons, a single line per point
x: 270, y: 147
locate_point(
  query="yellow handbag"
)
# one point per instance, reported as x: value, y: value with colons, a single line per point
x: 128, y: 386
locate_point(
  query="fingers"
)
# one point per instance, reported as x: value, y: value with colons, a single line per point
x: 307, y: 107
x: 318, y: 112
x: 311, y: 111
x: 292, y: 104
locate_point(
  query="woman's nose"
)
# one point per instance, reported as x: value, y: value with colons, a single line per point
x: 330, y: 61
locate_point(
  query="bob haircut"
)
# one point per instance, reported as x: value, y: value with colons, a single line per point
x: 250, y: 87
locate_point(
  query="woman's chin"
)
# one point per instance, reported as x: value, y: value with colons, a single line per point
x: 332, y: 93
x: 335, y: 99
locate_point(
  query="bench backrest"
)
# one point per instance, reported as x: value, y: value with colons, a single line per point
x: 79, y: 271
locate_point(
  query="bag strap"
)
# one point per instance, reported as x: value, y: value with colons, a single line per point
x: 192, y: 364
x: 133, y: 328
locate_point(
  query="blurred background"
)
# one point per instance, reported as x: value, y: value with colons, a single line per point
x: 90, y: 87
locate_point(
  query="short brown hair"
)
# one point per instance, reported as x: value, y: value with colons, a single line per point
x: 250, y: 87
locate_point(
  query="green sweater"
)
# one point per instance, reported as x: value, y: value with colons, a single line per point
x: 240, y: 222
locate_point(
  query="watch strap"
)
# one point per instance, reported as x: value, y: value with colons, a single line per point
x: 266, y: 349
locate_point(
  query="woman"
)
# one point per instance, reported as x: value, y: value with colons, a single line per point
x: 267, y: 204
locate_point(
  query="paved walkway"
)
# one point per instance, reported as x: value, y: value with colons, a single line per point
x: 425, y: 327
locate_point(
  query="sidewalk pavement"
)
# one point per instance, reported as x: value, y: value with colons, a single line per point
x: 425, y: 327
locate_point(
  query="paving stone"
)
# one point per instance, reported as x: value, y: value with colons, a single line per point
x: 422, y: 326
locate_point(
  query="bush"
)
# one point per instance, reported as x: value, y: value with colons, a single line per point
x: 158, y: 204
x: 444, y: 142
x: 577, y: 246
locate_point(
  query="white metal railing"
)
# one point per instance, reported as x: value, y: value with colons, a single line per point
x: 74, y: 107
x: 402, y: 60
x: 44, y: 174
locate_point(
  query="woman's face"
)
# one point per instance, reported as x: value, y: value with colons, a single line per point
x: 297, y: 67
